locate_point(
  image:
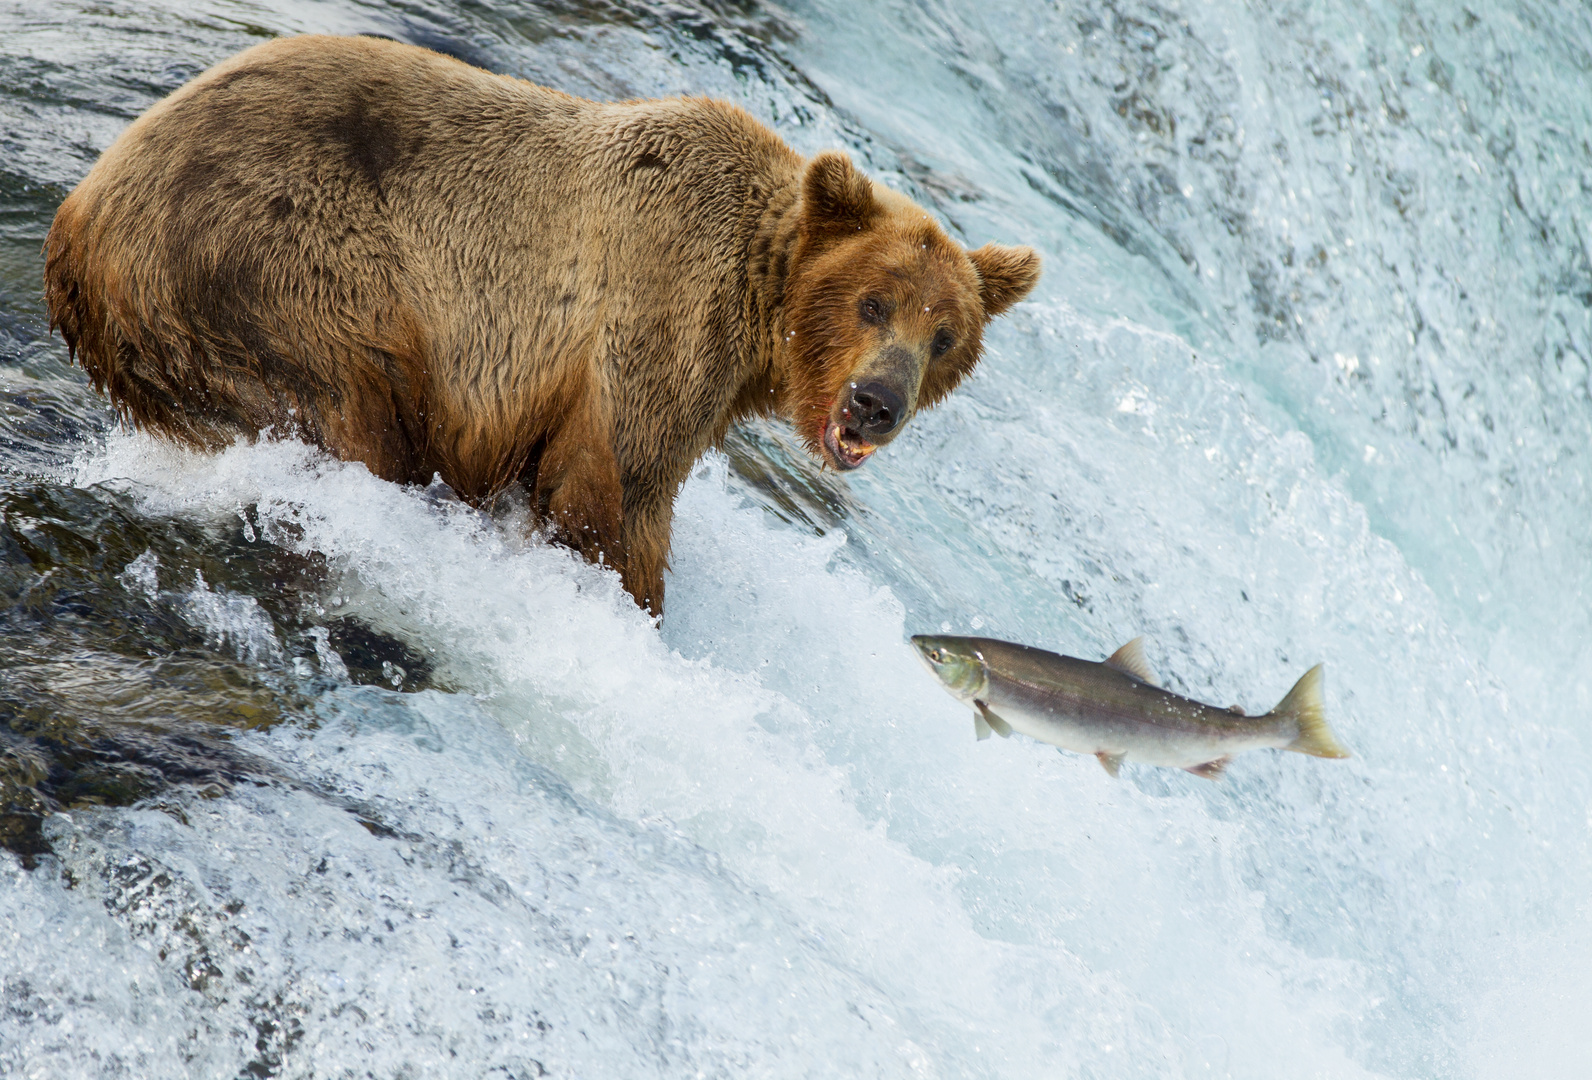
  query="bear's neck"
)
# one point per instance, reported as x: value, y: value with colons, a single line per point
x: 768, y: 254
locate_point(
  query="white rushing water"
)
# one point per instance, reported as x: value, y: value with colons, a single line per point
x: 1308, y: 379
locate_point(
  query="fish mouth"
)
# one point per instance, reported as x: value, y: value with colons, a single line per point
x: 924, y: 645
x: 846, y: 448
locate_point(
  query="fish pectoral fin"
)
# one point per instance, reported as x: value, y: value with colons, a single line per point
x: 1130, y: 660
x: 994, y: 723
x: 1111, y: 763
x: 1211, y: 770
x: 980, y: 728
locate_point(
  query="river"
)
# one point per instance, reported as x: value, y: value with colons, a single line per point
x: 303, y: 774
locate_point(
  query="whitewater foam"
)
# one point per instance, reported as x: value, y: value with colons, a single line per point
x: 867, y: 815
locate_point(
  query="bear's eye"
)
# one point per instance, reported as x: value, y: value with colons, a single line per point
x: 872, y: 310
x: 942, y: 343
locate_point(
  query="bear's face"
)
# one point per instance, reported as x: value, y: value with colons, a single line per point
x: 884, y: 312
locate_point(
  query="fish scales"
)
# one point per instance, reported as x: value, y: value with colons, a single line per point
x: 1087, y: 687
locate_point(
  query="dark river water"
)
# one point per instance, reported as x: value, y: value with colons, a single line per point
x: 303, y: 774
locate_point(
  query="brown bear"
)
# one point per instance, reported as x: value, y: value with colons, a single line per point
x: 432, y: 269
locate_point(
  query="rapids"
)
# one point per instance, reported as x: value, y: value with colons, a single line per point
x: 303, y: 774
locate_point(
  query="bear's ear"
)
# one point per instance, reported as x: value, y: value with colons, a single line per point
x: 836, y: 198
x: 1005, y: 275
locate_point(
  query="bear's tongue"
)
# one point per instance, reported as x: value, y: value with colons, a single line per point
x: 847, y: 449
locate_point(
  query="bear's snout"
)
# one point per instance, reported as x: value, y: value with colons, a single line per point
x: 876, y: 409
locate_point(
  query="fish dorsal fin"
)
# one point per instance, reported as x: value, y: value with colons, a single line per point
x: 1111, y: 763
x: 993, y: 722
x: 1130, y: 661
x: 1211, y: 770
x: 980, y: 728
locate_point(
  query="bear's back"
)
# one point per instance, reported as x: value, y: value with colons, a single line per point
x: 336, y: 135
x: 374, y: 136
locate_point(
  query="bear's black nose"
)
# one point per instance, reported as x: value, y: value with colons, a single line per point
x: 876, y: 409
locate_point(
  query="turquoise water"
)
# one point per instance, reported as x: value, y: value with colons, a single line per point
x: 329, y: 779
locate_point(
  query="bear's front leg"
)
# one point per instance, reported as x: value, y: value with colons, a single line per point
x: 578, y: 492
x: 649, y: 518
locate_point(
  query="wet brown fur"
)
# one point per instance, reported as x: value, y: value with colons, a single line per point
x: 430, y: 269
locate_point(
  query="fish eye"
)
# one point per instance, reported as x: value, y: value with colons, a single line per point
x: 934, y: 654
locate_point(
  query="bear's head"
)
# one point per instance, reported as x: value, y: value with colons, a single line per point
x: 884, y: 313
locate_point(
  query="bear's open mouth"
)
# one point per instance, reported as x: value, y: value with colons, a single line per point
x: 847, y: 449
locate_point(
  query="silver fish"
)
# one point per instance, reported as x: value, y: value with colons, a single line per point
x: 1115, y: 710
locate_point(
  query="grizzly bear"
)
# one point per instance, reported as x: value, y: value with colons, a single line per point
x: 432, y: 269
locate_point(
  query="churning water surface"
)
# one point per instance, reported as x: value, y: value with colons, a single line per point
x: 303, y: 774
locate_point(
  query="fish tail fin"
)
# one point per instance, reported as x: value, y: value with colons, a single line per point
x: 1306, y: 708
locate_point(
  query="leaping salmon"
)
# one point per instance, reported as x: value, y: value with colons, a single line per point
x: 1115, y: 710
